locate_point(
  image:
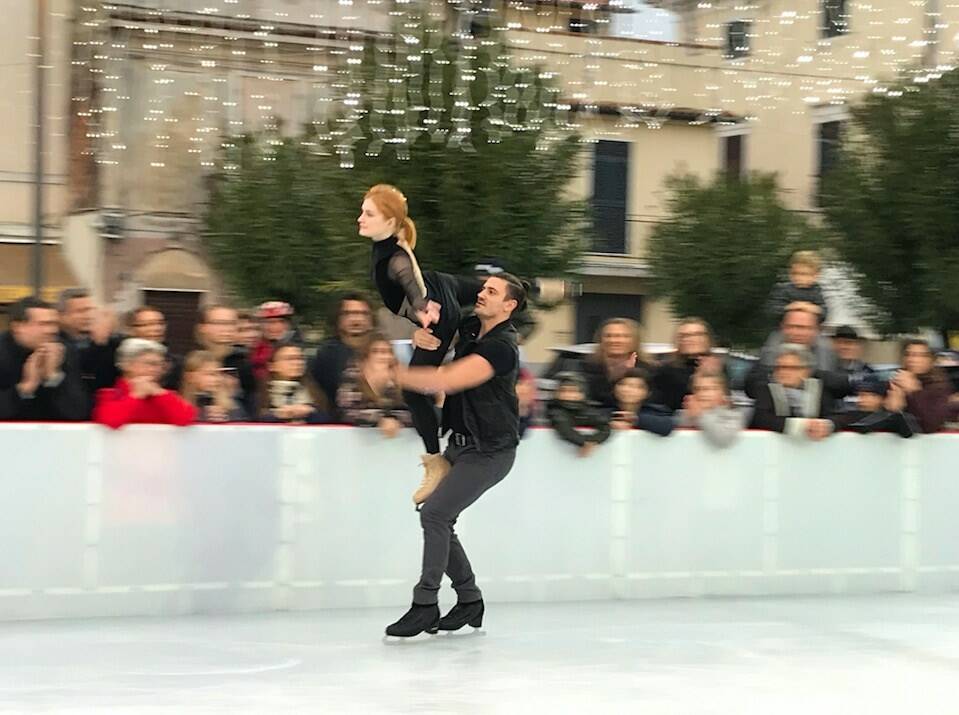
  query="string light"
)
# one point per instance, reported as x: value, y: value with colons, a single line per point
x: 181, y: 83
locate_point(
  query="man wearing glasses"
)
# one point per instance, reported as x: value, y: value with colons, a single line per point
x: 352, y: 323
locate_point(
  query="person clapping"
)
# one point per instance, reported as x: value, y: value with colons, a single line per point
x: 138, y: 397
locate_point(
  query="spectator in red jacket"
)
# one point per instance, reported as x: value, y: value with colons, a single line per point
x: 137, y: 397
x: 276, y: 322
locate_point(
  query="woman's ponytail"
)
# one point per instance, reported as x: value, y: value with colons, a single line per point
x: 409, y: 232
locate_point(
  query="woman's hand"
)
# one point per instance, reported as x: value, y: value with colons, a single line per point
x: 430, y: 315
x: 216, y: 413
x: 895, y: 399
x: 907, y: 381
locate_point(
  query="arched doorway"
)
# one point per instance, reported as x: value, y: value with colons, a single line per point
x: 175, y: 281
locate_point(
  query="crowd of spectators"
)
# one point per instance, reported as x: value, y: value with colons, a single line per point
x: 75, y: 362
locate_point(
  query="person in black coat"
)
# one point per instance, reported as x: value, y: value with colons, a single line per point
x: 39, y: 376
x: 569, y: 413
x: 353, y: 323
x: 794, y: 402
x: 880, y: 408
x: 216, y: 333
x: 618, y: 348
x: 672, y: 382
x: 89, y: 336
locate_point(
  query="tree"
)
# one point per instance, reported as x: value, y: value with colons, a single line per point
x: 721, y: 250
x: 483, y: 151
x: 892, y: 198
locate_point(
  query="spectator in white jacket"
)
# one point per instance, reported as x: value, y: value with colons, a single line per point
x: 708, y: 408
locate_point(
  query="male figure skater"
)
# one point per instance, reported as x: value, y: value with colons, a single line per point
x: 481, y: 413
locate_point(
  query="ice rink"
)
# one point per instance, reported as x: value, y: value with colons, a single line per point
x: 877, y: 654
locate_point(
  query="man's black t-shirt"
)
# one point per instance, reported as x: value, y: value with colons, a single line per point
x: 501, y: 355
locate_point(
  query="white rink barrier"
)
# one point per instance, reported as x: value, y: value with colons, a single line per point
x: 157, y: 520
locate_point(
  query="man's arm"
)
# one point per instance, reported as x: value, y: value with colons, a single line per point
x: 457, y: 376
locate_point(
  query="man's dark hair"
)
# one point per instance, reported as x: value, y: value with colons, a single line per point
x: 636, y: 372
x: 515, y: 290
x: 135, y: 314
x: 69, y: 294
x: 355, y: 295
x: 20, y: 311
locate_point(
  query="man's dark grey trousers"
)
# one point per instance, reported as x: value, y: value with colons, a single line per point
x: 472, y: 473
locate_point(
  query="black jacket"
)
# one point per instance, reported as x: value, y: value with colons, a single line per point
x: 66, y: 401
x: 771, y: 411
x: 490, y: 410
x: 656, y: 419
x: 670, y: 384
x: 327, y: 367
x: 565, y: 417
x: 901, y: 423
x: 238, y: 360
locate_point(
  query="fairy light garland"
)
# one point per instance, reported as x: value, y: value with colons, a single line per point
x: 212, y: 69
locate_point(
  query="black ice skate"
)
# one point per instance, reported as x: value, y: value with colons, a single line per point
x: 415, y: 621
x: 463, y: 614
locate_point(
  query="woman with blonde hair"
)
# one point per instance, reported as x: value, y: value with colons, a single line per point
x: 619, y: 347
x: 429, y: 299
x: 205, y: 388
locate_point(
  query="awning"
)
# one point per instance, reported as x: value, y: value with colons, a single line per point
x: 16, y: 272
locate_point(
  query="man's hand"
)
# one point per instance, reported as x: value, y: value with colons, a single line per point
x: 424, y: 339
x: 818, y: 429
x: 32, y: 374
x: 587, y: 449
x: 54, y: 353
x: 104, y: 325
x: 390, y: 427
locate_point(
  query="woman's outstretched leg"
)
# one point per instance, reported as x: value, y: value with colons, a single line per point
x: 423, y: 409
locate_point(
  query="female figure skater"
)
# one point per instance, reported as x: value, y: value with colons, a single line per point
x: 426, y: 298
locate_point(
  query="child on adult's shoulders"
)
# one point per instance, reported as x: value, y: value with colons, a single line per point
x: 802, y: 291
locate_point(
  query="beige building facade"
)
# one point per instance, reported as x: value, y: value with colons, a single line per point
x: 141, y: 93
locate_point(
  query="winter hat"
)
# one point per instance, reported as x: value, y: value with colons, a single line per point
x: 872, y: 384
x: 570, y: 378
x: 846, y: 331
